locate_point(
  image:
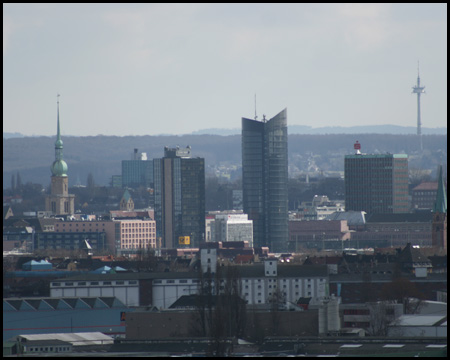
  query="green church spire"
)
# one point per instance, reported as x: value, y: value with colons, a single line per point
x: 441, y: 197
x: 59, y: 166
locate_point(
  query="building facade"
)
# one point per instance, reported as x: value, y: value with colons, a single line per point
x: 137, y: 172
x: 439, y: 227
x: 233, y: 227
x: 59, y: 202
x: 126, y: 235
x: 70, y: 241
x: 179, y: 192
x: 424, y: 195
x: 376, y: 183
x: 260, y: 284
x: 265, y: 180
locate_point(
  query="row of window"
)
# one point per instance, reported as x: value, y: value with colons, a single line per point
x: 270, y: 294
x: 49, y: 349
x: 195, y: 281
x: 94, y: 283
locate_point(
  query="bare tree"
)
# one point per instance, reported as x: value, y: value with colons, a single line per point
x: 276, y: 301
x: 220, y: 311
x: 403, y: 291
x: 381, y: 316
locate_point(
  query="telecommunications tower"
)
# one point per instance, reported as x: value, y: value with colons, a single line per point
x: 417, y: 89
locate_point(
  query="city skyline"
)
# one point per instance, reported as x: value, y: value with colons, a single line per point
x: 148, y: 69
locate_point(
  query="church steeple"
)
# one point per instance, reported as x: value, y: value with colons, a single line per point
x: 59, y: 166
x: 441, y: 197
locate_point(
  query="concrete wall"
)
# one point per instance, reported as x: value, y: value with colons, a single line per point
x: 151, y: 325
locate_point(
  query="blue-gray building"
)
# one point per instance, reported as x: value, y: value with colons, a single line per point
x: 179, y: 198
x: 137, y: 172
x: 265, y: 180
x: 23, y: 316
x: 70, y: 240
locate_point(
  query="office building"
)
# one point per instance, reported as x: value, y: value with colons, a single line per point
x: 376, y: 183
x: 265, y: 180
x: 439, y: 227
x: 424, y: 195
x: 179, y: 192
x: 125, y: 236
x: 59, y: 202
x: 233, y: 227
x: 138, y: 171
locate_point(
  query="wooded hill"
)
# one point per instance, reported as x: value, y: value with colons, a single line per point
x: 102, y: 155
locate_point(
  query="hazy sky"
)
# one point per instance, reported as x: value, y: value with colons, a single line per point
x: 147, y: 69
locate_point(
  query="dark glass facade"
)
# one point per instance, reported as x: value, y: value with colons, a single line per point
x: 69, y: 240
x: 179, y: 191
x: 265, y: 180
x: 137, y: 173
x: 376, y: 183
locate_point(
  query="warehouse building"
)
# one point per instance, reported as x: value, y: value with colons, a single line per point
x: 22, y: 316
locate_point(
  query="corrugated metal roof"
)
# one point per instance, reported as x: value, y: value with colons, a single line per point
x: 61, y: 303
x: 76, y: 339
x: 418, y: 320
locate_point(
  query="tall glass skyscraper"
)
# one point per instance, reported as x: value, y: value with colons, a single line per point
x: 265, y: 180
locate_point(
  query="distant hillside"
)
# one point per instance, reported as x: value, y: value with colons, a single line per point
x: 304, y: 129
x: 102, y: 155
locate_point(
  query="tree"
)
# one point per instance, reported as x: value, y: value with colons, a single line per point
x: 220, y: 310
x: 276, y: 301
x: 381, y: 316
x: 403, y: 291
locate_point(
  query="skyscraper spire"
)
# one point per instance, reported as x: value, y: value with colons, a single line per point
x: 58, y: 136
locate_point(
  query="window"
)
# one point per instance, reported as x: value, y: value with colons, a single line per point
x: 94, y: 282
x: 106, y: 282
x: 56, y: 284
x: 170, y: 281
x: 69, y: 283
x: 132, y: 282
x: 81, y: 283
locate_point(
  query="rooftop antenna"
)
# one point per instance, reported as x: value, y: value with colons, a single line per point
x: 256, y: 116
x: 417, y: 89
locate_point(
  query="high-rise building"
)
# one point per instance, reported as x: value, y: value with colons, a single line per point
x: 179, y: 192
x: 59, y: 202
x: 265, y: 180
x: 376, y: 183
x: 439, y: 227
x: 138, y: 171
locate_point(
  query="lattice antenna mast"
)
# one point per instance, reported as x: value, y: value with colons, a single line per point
x: 417, y: 89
